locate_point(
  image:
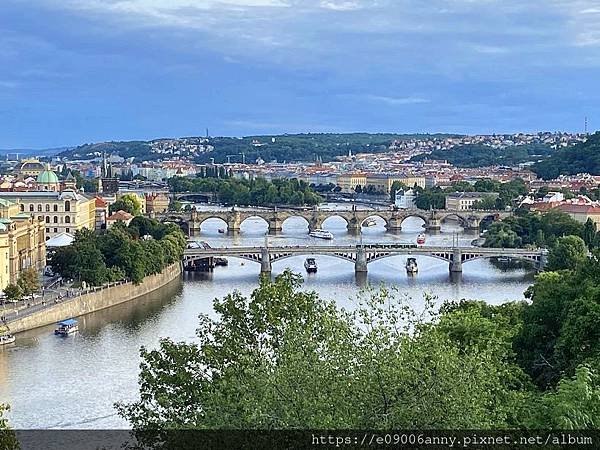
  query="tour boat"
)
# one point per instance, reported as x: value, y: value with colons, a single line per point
x: 370, y: 222
x: 421, y: 239
x: 310, y: 265
x: 6, y: 339
x: 321, y: 234
x: 66, y: 327
x: 411, y: 265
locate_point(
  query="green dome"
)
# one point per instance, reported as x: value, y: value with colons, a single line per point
x: 47, y: 177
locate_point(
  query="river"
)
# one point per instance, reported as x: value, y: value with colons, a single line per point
x: 73, y: 382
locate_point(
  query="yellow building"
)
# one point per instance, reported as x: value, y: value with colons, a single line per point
x: 157, y: 203
x: 348, y: 181
x: 61, y: 212
x: 22, y: 243
x: 383, y: 182
x: 31, y: 168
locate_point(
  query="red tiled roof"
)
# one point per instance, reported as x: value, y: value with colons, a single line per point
x: 120, y: 215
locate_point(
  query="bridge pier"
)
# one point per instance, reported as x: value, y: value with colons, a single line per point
x: 360, y: 265
x: 456, y: 263
x: 394, y: 225
x: 433, y: 225
x: 354, y: 226
x: 233, y: 223
x: 275, y: 225
x: 265, y: 262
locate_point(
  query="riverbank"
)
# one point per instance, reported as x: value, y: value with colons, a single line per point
x: 94, y: 299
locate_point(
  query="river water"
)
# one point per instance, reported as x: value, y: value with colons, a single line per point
x: 73, y: 382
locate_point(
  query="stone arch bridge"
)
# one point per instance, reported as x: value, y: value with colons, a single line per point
x: 393, y: 218
x: 362, y: 255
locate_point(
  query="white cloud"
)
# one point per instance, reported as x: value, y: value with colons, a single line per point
x: 395, y: 101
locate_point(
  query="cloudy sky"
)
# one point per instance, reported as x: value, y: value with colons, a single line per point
x: 74, y: 71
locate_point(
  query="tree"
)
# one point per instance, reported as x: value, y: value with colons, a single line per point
x: 589, y: 233
x: 175, y: 205
x: 8, y: 438
x: 284, y: 358
x: 358, y: 189
x: 129, y: 203
x: 29, y: 281
x: 568, y: 252
x: 575, y: 405
x: 13, y: 292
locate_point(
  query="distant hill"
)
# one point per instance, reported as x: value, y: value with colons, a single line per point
x: 583, y: 157
x: 476, y: 155
x: 287, y: 147
x: 23, y: 153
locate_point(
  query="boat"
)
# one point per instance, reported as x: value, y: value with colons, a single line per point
x: 66, y: 327
x: 221, y: 262
x: 503, y: 259
x: 421, y: 239
x: 6, y: 339
x: 310, y: 265
x: 411, y: 265
x: 221, y: 230
x: 370, y: 222
x: 321, y: 234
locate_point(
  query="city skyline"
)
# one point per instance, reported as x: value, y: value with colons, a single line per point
x: 89, y: 71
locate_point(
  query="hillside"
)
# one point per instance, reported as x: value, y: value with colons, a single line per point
x: 583, y: 157
x: 484, y: 155
x: 288, y: 147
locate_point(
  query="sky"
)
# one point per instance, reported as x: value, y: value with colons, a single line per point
x: 78, y: 71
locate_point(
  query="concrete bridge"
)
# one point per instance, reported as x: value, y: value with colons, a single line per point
x: 393, y: 218
x: 362, y: 255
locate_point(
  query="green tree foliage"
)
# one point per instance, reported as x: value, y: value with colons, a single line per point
x: 284, y: 358
x: 560, y: 326
x: 582, y: 158
x: 590, y: 233
x: 129, y: 203
x: 532, y: 229
x: 29, y: 281
x: 143, y: 248
x: 13, y: 292
x: 8, y: 439
x: 257, y: 192
x: 575, y: 405
x: 567, y: 253
x: 475, y: 155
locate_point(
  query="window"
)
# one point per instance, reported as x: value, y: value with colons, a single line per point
x: 39, y: 208
x: 22, y: 207
x: 55, y: 208
x: 67, y: 205
x: 68, y: 219
x: 31, y: 208
x: 47, y: 219
x: 55, y: 219
x: 41, y: 218
x: 47, y: 231
x: 47, y: 208
x: 56, y: 230
x: 68, y: 230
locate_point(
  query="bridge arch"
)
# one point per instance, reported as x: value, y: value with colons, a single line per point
x: 374, y: 216
x: 347, y: 258
x: 295, y: 218
x: 335, y: 217
x: 422, y: 217
x: 534, y: 259
x: 216, y: 220
x: 462, y: 220
x: 254, y: 217
x: 407, y: 255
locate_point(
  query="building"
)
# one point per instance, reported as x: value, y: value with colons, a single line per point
x: 101, y: 212
x: 119, y: 216
x: 348, y: 181
x: 61, y: 212
x: 156, y: 202
x: 582, y: 213
x: 383, y: 182
x: 22, y: 243
x: 31, y: 168
x: 464, y: 200
x: 47, y: 180
x: 405, y: 199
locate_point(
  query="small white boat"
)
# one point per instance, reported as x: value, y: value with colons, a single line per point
x: 370, y: 222
x: 310, y: 265
x: 321, y: 234
x: 66, y: 327
x: 421, y: 239
x: 6, y: 339
x: 411, y: 266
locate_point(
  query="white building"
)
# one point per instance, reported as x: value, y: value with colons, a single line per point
x: 405, y: 199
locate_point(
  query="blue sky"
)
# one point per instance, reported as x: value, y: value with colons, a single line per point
x: 76, y: 71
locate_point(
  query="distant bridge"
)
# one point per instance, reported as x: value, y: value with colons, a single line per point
x: 393, y: 218
x: 362, y: 255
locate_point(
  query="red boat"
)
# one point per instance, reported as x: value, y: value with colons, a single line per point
x: 421, y: 239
